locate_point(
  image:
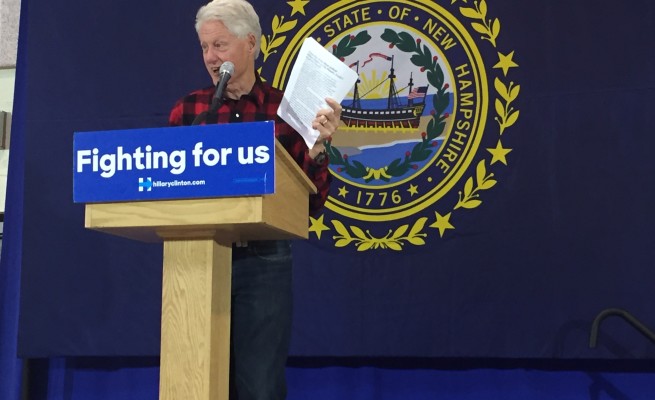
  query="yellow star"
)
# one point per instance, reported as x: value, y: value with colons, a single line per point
x: 442, y: 223
x: 505, y: 62
x: 343, y: 192
x: 413, y: 189
x: 298, y: 6
x: 317, y: 226
x: 499, y: 153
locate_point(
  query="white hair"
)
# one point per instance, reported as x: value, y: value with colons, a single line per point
x: 238, y: 16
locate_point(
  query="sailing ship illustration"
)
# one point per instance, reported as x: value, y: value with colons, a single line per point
x: 395, y: 115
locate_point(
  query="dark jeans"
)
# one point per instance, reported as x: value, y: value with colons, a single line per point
x: 261, y: 320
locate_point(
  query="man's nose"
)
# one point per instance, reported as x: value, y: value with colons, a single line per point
x: 212, y: 56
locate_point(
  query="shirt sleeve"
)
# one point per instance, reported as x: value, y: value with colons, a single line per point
x: 319, y: 174
x: 175, y: 117
x: 187, y: 108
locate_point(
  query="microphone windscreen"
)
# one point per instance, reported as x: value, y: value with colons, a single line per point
x: 226, y: 67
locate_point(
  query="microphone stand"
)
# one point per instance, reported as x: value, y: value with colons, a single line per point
x: 217, y: 102
x: 226, y: 71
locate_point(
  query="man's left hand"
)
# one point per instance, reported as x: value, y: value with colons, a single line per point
x: 326, y: 123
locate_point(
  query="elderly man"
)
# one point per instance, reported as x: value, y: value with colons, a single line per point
x: 229, y: 30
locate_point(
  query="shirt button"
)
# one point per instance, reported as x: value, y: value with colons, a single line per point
x: 236, y: 115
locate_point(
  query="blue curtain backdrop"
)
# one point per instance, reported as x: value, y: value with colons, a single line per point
x: 130, y: 379
x: 10, y: 259
x: 564, y: 234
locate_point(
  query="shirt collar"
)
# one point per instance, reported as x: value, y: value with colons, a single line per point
x: 258, y: 91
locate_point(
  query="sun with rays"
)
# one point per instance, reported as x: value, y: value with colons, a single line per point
x: 372, y: 87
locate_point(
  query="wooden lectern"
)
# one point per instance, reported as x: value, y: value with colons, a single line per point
x: 197, y: 274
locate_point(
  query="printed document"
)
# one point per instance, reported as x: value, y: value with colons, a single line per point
x: 316, y: 74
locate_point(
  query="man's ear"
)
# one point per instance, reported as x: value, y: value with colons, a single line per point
x: 252, y: 41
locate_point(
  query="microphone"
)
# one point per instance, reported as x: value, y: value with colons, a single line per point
x: 225, y: 73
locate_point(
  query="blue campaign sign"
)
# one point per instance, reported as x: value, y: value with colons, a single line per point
x: 174, y: 162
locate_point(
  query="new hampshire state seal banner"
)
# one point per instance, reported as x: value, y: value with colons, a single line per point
x: 491, y: 172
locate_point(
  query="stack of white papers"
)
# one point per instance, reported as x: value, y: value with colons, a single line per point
x: 316, y: 74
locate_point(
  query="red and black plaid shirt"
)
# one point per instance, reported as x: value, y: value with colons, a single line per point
x: 260, y: 104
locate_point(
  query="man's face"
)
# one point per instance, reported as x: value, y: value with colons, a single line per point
x: 220, y: 45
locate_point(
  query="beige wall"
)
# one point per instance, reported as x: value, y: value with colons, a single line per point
x: 9, y: 17
x: 7, y: 81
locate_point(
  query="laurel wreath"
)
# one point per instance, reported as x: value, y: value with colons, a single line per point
x: 423, y: 59
x: 507, y: 116
x: 349, y: 44
x: 394, y: 240
x: 469, y: 199
x: 490, y: 29
x: 270, y: 43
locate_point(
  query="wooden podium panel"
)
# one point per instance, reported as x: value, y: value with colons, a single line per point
x: 195, y: 324
x: 197, y: 271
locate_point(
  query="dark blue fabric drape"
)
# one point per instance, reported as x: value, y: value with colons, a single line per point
x: 564, y: 234
x: 10, y: 260
x: 137, y: 379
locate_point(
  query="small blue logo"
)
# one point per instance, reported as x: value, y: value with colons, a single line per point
x: 145, y: 183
